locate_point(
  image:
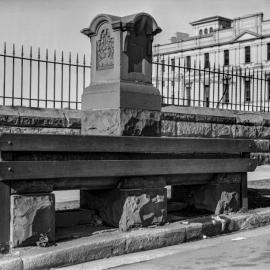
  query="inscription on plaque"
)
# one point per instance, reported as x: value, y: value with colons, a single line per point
x: 104, y: 51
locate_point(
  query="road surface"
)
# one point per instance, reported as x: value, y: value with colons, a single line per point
x: 242, y: 250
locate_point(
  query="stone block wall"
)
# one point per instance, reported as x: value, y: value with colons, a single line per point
x: 215, y: 123
x: 36, y: 120
x: 174, y: 122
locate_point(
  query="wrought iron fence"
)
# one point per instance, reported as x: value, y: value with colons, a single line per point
x: 226, y: 87
x: 48, y: 80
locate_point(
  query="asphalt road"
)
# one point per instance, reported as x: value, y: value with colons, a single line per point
x: 242, y: 250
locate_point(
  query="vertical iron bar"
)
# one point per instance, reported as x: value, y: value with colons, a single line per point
x: 245, y: 95
x: 261, y: 99
x: 214, y: 77
x: 173, y: 96
x: 30, y: 77
x: 13, y: 75
x: 157, y: 86
x: 77, y: 74
x: 54, y: 78
x: 4, y: 74
x: 231, y: 96
x: 162, y: 79
x: 46, y: 80
x: 253, y: 90
x: 240, y: 85
x: 218, y: 86
x: 69, y: 79
x: 204, y: 94
x: 199, y: 81
x: 257, y: 94
x: 21, y: 76
x: 179, y: 81
x: 38, y: 97
x: 236, y: 88
x: 62, y: 79
x: 168, y: 81
x: 84, y: 71
x: 209, y: 83
x: 184, y: 88
x: 194, y: 80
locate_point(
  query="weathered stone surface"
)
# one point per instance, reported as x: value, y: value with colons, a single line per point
x: 221, y: 131
x: 263, y: 132
x: 31, y: 216
x: 168, y: 128
x: 229, y: 202
x: 128, y: 122
x: 208, y: 197
x: 128, y: 208
x: 189, y: 129
x: 262, y: 158
x: 262, y: 145
x: 242, y: 131
x: 140, y: 122
x: 10, y: 262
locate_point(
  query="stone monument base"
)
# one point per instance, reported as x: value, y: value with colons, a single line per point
x: 121, y: 122
x: 128, y: 208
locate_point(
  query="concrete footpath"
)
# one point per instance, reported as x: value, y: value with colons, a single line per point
x: 112, y: 242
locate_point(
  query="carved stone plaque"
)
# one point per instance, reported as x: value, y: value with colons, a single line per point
x: 104, y: 50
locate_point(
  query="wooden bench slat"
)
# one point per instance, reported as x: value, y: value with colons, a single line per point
x: 16, y: 170
x: 71, y: 143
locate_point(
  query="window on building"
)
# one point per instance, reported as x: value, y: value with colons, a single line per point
x: 200, y: 32
x: 173, y: 64
x: 226, y: 57
x: 188, y: 95
x: 206, y: 60
x: 247, y: 90
x: 211, y: 29
x: 188, y: 61
x: 226, y: 93
x: 205, y: 31
x: 268, y: 51
x: 247, y: 54
x: 206, y: 96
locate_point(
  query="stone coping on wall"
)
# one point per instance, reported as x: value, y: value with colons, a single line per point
x: 211, y: 115
x: 39, y: 117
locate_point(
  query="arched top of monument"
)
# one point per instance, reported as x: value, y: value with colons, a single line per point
x: 122, y: 23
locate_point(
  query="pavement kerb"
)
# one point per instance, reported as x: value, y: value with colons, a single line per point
x: 115, y: 243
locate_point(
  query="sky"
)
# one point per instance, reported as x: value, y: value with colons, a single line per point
x: 56, y: 24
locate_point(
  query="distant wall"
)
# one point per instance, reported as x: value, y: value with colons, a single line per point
x: 175, y: 122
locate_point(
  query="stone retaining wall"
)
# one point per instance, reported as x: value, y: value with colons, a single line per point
x: 174, y: 122
x: 215, y: 123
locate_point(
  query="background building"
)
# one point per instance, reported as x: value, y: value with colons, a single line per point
x: 234, y: 61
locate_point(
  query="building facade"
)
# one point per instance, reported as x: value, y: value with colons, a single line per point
x: 224, y: 63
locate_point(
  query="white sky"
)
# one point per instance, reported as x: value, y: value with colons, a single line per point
x: 56, y: 24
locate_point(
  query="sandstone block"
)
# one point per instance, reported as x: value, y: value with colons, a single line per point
x: 218, y: 198
x: 128, y: 208
x: 31, y: 216
x: 189, y: 129
x: 127, y: 122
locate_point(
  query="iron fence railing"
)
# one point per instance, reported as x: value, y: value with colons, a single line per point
x: 226, y: 87
x: 36, y: 78
x: 50, y: 80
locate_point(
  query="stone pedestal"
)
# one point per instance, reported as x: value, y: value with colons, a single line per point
x: 31, y: 217
x: 128, y: 208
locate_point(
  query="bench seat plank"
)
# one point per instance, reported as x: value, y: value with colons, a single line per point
x: 17, y: 170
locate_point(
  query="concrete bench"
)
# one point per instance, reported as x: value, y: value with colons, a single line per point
x: 105, y: 169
